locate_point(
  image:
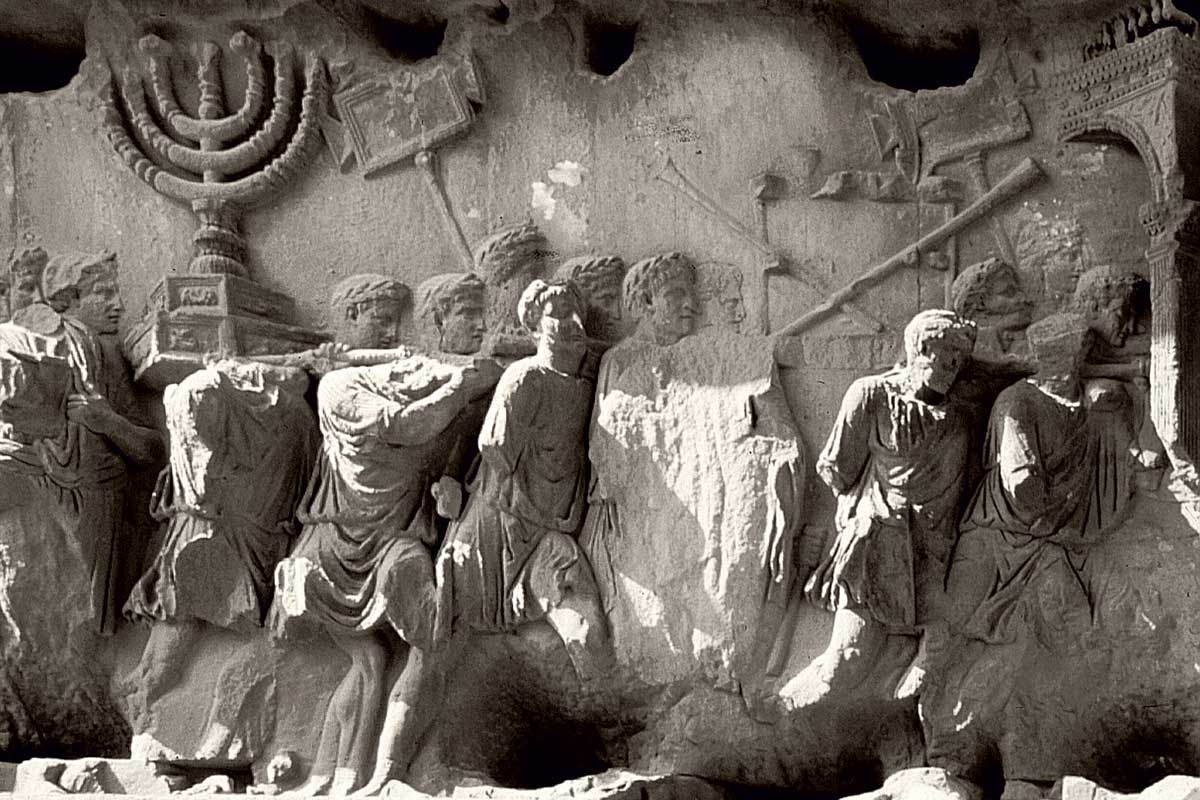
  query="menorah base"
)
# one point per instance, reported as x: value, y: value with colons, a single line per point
x: 168, y: 346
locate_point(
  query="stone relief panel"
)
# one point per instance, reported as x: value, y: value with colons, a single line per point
x: 572, y: 490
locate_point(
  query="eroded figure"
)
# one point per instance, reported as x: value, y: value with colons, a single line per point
x: 26, y: 271
x: 507, y: 261
x: 896, y: 461
x: 86, y: 466
x: 362, y: 569
x: 242, y: 444
x: 989, y: 294
x: 1025, y: 577
x: 719, y: 287
x: 599, y: 280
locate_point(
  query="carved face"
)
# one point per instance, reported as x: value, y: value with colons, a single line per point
x: 463, y: 326
x: 671, y: 313
x: 938, y: 365
x: 726, y: 308
x: 1113, y: 320
x: 1006, y: 302
x: 371, y: 324
x: 99, y: 306
x: 561, y: 322
x: 25, y: 288
x: 604, y: 310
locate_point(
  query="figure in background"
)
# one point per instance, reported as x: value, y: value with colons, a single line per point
x: 363, y: 569
x: 242, y: 444
x: 88, y: 465
x: 599, y: 280
x: 452, y: 310
x: 989, y: 294
x: 896, y: 460
x: 25, y: 271
x: 1022, y: 576
x: 719, y: 287
x: 507, y: 261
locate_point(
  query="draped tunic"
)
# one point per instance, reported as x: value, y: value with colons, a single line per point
x: 526, y: 502
x: 363, y: 560
x: 241, y: 452
x: 82, y: 471
x: 897, y: 465
x: 1057, y: 478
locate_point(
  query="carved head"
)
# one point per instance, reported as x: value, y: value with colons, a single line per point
x: 25, y: 271
x: 552, y: 312
x: 84, y: 286
x: 660, y: 294
x: 990, y: 294
x: 599, y: 279
x: 1104, y: 296
x: 719, y: 287
x: 365, y: 311
x: 453, y: 304
x: 937, y: 344
x: 1060, y: 343
x: 512, y: 252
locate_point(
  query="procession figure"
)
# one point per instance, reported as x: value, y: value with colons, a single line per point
x: 599, y: 280
x: 989, y: 294
x: 362, y: 569
x: 719, y: 287
x: 242, y: 444
x: 896, y: 461
x: 452, y: 310
x: 1024, y: 576
x: 86, y: 467
x: 507, y: 261
x: 660, y: 294
x: 25, y: 272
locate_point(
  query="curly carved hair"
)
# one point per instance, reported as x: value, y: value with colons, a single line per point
x: 1099, y: 286
x: 437, y: 295
x: 938, y: 325
x: 537, y: 294
x: 68, y: 275
x: 968, y: 293
x: 500, y: 256
x: 356, y: 289
x: 651, y: 274
x: 591, y: 272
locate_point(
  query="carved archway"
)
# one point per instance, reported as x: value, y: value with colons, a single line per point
x: 1148, y: 92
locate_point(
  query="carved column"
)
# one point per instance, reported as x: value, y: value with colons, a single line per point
x: 1147, y: 91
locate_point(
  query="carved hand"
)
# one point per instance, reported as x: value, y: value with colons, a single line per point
x: 93, y: 412
x: 481, y: 377
x: 449, y: 496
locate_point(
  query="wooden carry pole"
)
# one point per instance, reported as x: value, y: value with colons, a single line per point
x: 1018, y: 179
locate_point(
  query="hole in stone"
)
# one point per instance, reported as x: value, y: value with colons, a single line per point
x: 607, y: 44
x: 499, y: 13
x: 908, y: 62
x: 28, y: 65
x: 408, y: 40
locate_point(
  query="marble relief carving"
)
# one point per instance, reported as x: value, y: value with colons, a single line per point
x: 567, y: 500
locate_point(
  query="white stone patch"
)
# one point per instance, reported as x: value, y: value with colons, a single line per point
x: 568, y: 173
x: 543, y: 201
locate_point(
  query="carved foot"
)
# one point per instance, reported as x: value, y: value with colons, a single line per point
x: 315, y: 786
x: 344, y: 781
x: 399, y: 790
x: 808, y: 688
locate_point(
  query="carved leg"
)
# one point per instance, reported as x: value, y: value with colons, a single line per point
x: 163, y: 660
x: 855, y: 647
x: 561, y: 581
x: 346, y: 736
x: 412, y: 706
